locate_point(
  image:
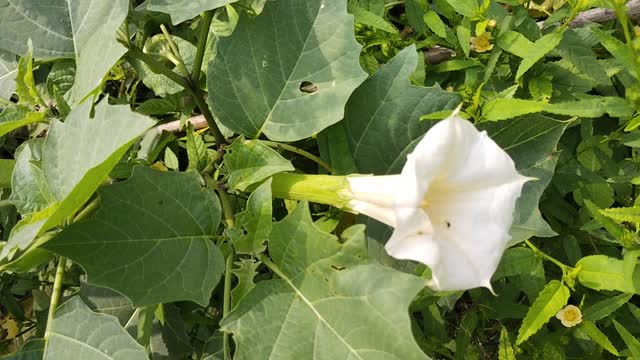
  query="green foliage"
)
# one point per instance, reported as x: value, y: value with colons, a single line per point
x: 174, y: 259
x: 250, y: 99
x: 112, y: 243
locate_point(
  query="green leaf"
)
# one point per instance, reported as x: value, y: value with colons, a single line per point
x: 150, y: 240
x: 77, y: 155
x: 505, y: 350
x: 464, y: 39
x: 386, y: 109
x: 517, y: 261
x: 436, y: 24
x: 182, y: 10
x: 29, y: 191
x: 334, y: 149
x: 531, y: 142
x: 601, y: 272
x: 604, y: 308
x: 552, y: 299
x: 618, y: 49
x: 515, y: 43
x: 500, y: 109
x: 415, y: 9
x: 598, y: 336
x: 106, y: 301
x: 573, y: 49
x: 256, y: 78
x: 79, y: 333
x: 632, y: 342
x: 76, y: 29
x: 25, y: 83
x: 466, y: 8
x: 33, y: 349
x: 365, y: 17
x: 61, y: 77
x: 310, y: 310
x: 8, y: 73
x: 245, y: 272
x: 255, y: 222
x: 6, y: 171
x: 539, y: 49
x: 196, y: 151
x: 170, y: 159
x: 250, y: 161
x: 623, y: 214
x: 17, y: 116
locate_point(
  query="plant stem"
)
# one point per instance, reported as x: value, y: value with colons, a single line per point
x: 55, y: 296
x: 5, y: 202
x: 204, y: 109
x: 157, y: 67
x: 174, y: 49
x: 205, y: 24
x: 565, y: 268
x: 88, y: 210
x: 298, y: 151
x: 226, y: 304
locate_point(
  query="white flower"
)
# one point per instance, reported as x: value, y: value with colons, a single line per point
x: 570, y: 316
x: 451, y: 207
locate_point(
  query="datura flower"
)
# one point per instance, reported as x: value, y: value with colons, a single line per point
x: 451, y: 207
x: 570, y: 316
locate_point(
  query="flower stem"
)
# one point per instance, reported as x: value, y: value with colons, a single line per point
x: 174, y: 49
x: 298, y: 151
x: 55, y: 296
x: 323, y: 189
x: 205, y: 24
x: 565, y: 269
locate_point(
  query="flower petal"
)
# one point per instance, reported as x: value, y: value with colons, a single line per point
x: 376, y: 196
x: 465, y: 188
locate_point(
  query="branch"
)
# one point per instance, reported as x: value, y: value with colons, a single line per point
x: 198, y: 122
x: 599, y: 15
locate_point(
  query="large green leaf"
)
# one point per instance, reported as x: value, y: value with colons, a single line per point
x: 631, y: 341
x: 79, y: 153
x: 601, y: 272
x: 552, y: 299
x: 253, y: 225
x: 320, y: 307
x: 83, y: 30
x: 531, y: 142
x: 79, y: 333
x: 8, y: 72
x: 150, y: 240
x: 287, y: 79
x: 182, y: 10
x: 386, y: 109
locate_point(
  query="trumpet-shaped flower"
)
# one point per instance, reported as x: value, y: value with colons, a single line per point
x: 451, y: 207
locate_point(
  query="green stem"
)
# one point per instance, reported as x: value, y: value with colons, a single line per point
x: 5, y: 203
x: 157, y: 67
x: 205, y: 24
x: 204, y: 109
x: 565, y: 269
x: 226, y: 304
x: 174, y: 49
x: 88, y: 210
x: 55, y: 296
x: 298, y: 151
x: 323, y: 189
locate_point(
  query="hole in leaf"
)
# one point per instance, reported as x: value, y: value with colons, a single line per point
x: 448, y: 224
x: 308, y: 87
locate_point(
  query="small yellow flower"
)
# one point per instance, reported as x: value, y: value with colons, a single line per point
x: 569, y: 316
x: 491, y: 24
x: 482, y: 42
